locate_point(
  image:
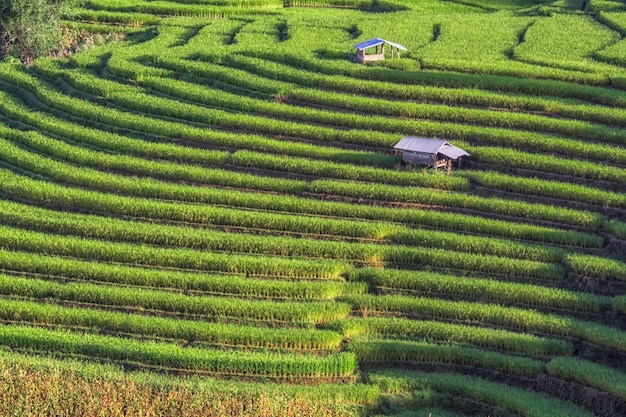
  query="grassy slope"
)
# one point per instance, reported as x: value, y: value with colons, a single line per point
x: 231, y: 165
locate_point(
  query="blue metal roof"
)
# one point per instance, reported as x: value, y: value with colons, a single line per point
x: 369, y: 44
x: 375, y: 42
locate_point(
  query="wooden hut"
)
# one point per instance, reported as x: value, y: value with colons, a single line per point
x: 436, y: 153
x: 363, y: 57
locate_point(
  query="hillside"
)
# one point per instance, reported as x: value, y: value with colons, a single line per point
x: 202, y: 214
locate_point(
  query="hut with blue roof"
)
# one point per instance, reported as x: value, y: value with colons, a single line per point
x: 363, y: 57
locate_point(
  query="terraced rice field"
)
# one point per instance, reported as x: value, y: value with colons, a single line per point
x: 213, y: 196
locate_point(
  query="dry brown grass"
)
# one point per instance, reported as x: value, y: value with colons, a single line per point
x: 58, y: 390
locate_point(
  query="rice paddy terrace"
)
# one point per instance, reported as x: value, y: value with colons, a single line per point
x: 214, y: 195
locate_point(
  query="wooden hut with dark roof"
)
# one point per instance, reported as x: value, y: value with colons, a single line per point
x: 363, y: 57
x: 436, y: 153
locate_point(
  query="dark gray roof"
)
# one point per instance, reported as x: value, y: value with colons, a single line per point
x: 430, y: 146
x: 375, y: 42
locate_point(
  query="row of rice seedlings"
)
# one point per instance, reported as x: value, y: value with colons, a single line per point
x: 346, y: 171
x: 43, y: 192
x: 83, y: 386
x: 492, y: 136
x: 398, y: 351
x: 519, y: 401
x: 113, y: 118
x: 277, y: 365
x: 211, y: 308
x: 566, y: 41
x: 423, y: 282
x: 198, y: 260
x: 597, y: 267
x: 280, y: 65
x: 216, y: 334
x: 511, y: 120
x: 250, y: 73
x: 591, y: 374
x: 433, y: 331
x: 544, y: 188
x: 510, y: 158
x: 211, y: 97
x: 478, y: 244
x: 148, y: 187
x: 181, y: 112
x: 15, y: 109
x: 616, y: 227
x: 143, y: 167
x: 116, y: 18
x: 177, y: 171
x: 489, y: 314
x: 234, y: 285
x: 130, y: 97
x: 34, y: 218
x: 384, y: 192
x: 215, y: 10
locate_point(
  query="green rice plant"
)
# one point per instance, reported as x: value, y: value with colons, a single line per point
x: 346, y: 171
x: 519, y: 401
x: 376, y: 107
x: 619, y: 304
x: 488, y: 314
x: 383, y: 192
x: 481, y: 289
x: 215, y: 334
x: 136, y: 254
x: 210, y: 308
x: 566, y: 41
x: 209, y: 284
x: 478, y: 244
x: 103, y: 16
x: 54, y: 371
x: 101, y: 28
x: 588, y: 373
x: 453, y: 113
x: 617, y: 227
x: 397, y: 351
x: 503, y: 79
x: 111, y: 117
x: 511, y: 158
x: 447, y: 88
x: 545, y: 188
x: 155, y: 169
x: 173, y: 356
x: 44, y: 192
x: 433, y: 331
x: 47, y: 221
x: 596, y: 266
x: 13, y: 108
x: 136, y: 99
x: 195, y: 10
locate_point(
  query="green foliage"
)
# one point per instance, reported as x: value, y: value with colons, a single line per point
x: 211, y: 334
x: 434, y: 331
x: 481, y: 289
x: 491, y: 314
x: 166, y: 355
x: 590, y: 374
x: 522, y: 402
x: 387, y: 352
x: 31, y: 28
x: 175, y: 304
